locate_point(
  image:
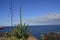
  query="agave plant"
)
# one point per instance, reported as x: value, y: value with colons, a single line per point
x: 26, y: 31
x: 20, y: 33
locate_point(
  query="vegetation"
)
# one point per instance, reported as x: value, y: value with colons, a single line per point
x: 21, y: 33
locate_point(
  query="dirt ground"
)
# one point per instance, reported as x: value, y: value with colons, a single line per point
x: 10, y: 38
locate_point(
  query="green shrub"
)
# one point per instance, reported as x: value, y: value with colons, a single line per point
x: 20, y: 32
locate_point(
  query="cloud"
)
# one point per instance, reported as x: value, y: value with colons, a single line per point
x: 49, y: 19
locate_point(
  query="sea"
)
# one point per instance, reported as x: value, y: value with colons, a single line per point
x: 37, y: 30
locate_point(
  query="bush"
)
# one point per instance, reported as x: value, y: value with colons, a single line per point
x: 20, y: 32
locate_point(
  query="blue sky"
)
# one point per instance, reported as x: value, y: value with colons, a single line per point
x: 31, y: 10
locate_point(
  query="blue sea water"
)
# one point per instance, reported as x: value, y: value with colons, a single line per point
x: 38, y: 30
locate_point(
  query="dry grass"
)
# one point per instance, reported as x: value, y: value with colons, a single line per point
x: 14, y: 38
x: 31, y: 38
x: 9, y: 38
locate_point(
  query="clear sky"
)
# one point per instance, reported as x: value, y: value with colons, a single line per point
x: 31, y: 9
